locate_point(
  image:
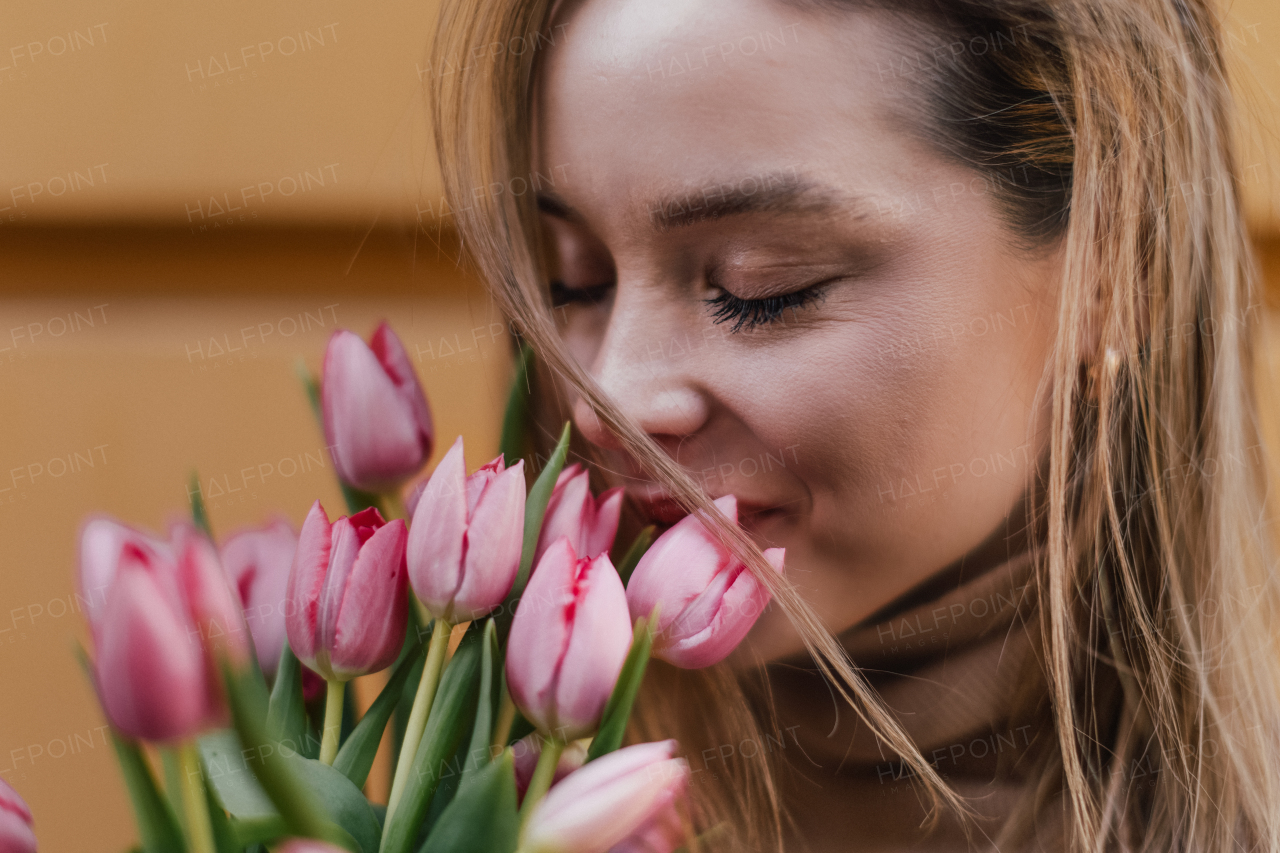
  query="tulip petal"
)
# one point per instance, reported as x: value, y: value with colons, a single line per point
x: 214, y: 608
x: 479, y: 481
x: 391, y: 353
x: 306, y: 580
x: 603, y: 527
x: 370, y: 623
x: 150, y: 664
x: 675, y: 571
x: 373, y: 431
x: 566, y: 511
x: 598, y: 644
x: 435, y: 548
x: 540, y: 634
x: 608, y: 799
x: 700, y: 613
x: 11, y: 802
x: 739, y: 608
x: 343, y: 551
x: 16, y: 834
x: 365, y: 522
x: 257, y: 563
x: 493, y: 541
x: 100, y: 543
x: 662, y: 833
x: 566, y: 474
x: 308, y: 845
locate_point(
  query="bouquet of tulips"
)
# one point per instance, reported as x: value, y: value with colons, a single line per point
x: 516, y: 647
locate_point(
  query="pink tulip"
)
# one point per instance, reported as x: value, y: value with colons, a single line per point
x: 215, y: 608
x: 526, y: 752
x: 467, y: 533
x: 609, y: 800
x: 376, y: 417
x: 166, y: 622
x: 709, y: 599
x: 568, y: 641
x: 663, y: 833
x: 589, y: 522
x: 101, y: 540
x: 257, y: 563
x: 16, y: 832
x: 307, y: 845
x: 346, y: 608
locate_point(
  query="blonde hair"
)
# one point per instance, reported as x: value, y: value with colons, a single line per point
x: 1153, y: 502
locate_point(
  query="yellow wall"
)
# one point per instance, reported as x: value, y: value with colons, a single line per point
x: 118, y: 285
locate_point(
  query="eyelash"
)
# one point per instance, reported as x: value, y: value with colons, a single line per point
x: 750, y: 313
x: 743, y: 313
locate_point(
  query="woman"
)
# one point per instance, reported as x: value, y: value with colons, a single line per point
x: 947, y: 294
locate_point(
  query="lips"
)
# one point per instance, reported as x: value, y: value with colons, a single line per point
x: 660, y: 508
x: 656, y: 505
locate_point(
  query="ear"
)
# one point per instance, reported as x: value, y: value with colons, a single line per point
x: 1095, y: 315
x: 1109, y: 327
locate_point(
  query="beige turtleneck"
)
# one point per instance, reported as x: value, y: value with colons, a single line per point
x: 949, y: 660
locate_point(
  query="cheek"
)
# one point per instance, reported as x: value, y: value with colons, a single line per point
x: 945, y: 425
x: 582, y: 330
x: 913, y: 411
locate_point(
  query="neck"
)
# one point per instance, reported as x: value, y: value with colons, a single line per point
x: 948, y: 658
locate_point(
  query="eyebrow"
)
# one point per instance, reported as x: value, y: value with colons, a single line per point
x: 775, y: 193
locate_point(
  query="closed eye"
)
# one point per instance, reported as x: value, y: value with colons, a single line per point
x: 750, y: 313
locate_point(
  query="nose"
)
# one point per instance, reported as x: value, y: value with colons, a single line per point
x: 646, y: 366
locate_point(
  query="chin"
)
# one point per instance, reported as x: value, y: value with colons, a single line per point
x: 771, y: 639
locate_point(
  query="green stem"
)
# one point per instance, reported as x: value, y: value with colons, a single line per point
x: 395, y: 506
x: 332, y: 721
x: 543, y: 775
x: 506, y: 717
x: 424, y: 615
x: 422, y: 702
x: 199, y: 829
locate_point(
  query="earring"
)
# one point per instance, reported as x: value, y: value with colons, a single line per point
x: 1104, y: 370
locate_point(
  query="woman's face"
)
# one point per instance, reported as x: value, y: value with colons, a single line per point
x: 804, y: 305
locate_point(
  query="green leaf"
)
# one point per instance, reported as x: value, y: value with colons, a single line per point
x: 341, y: 800
x: 311, y: 386
x: 617, y: 711
x: 535, y: 509
x: 356, y: 756
x: 224, y: 837
x: 227, y: 767
x: 356, y: 499
x: 515, y: 420
x: 258, y: 830
x: 404, y: 708
x: 631, y: 559
x: 286, y: 710
x: 482, y: 818
x: 454, y: 706
x: 231, y: 772
x: 450, y: 777
x: 520, y: 727
x: 173, y: 781
x: 198, y: 513
x: 157, y: 823
x: 482, y: 731
x: 302, y: 812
